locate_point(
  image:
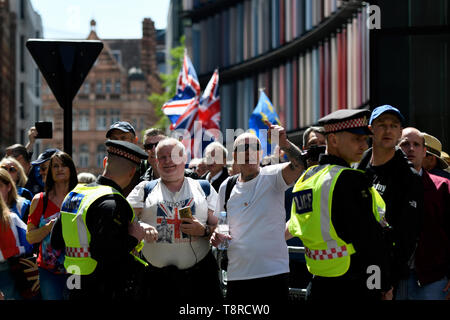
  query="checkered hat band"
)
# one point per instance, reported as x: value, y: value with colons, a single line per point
x: 349, y: 124
x: 124, y: 154
x: 332, y: 253
x: 83, y: 252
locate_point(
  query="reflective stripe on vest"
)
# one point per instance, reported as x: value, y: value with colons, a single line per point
x: 75, y: 232
x: 326, y: 253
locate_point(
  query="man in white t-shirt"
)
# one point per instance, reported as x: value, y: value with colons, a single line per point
x: 258, y: 266
x: 182, y: 267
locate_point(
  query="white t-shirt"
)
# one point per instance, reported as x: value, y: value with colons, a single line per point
x: 161, y: 210
x: 257, y: 220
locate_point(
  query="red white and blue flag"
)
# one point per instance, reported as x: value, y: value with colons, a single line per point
x: 187, y: 94
x: 201, y: 116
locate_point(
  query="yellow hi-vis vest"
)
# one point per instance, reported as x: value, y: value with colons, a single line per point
x: 326, y: 254
x: 75, y: 232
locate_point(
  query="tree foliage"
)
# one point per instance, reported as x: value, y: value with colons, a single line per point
x: 169, y: 84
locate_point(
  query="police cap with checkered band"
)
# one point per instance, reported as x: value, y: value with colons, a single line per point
x: 350, y: 120
x: 126, y: 150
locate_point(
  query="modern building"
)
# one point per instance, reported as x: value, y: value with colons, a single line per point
x: 312, y: 57
x: 21, y: 78
x: 116, y: 88
x: 7, y: 75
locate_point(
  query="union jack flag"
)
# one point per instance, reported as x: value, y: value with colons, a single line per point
x: 188, y: 92
x: 200, y: 117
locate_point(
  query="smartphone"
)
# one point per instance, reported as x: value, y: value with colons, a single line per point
x: 44, y: 130
x: 185, y: 212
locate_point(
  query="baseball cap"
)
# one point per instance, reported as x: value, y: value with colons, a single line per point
x: 45, y: 156
x: 378, y: 111
x: 122, y: 126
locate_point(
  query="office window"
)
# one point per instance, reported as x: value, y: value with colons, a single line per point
x: 115, y: 115
x: 108, y: 86
x: 117, y: 86
x: 101, y: 153
x: 99, y: 87
x: 83, y: 120
x: 84, y: 156
x: 101, y: 119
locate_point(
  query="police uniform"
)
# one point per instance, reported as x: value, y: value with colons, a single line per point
x: 343, y: 236
x: 94, y: 227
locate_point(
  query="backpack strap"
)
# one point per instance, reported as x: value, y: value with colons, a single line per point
x: 206, y: 186
x: 230, y: 185
x: 149, y: 186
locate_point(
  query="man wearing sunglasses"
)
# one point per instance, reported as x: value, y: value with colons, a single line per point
x: 258, y: 265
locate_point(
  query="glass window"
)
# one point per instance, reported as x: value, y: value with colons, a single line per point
x: 84, y: 156
x: 108, y: 86
x: 117, y: 86
x: 101, y: 119
x: 115, y: 115
x: 86, y: 87
x: 99, y: 87
x: 101, y: 153
x: 83, y: 120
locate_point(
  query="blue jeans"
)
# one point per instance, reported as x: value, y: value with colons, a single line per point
x: 408, y: 289
x: 7, y: 284
x: 53, y: 286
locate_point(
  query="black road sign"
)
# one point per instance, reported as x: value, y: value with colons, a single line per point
x: 64, y: 65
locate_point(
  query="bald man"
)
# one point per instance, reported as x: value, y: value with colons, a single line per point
x: 430, y: 271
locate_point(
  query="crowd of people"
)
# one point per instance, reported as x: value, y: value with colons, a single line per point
x: 374, y: 222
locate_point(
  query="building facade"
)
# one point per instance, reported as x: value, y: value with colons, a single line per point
x: 316, y: 56
x: 28, y: 84
x: 116, y: 88
x: 7, y: 75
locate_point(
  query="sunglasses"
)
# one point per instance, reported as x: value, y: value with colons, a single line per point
x: 150, y: 146
x: 10, y: 169
x: 246, y: 147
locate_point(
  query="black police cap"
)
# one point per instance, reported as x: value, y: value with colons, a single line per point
x: 126, y: 150
x: 354, y: 121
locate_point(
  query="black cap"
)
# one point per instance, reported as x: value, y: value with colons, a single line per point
x: 126, y: 150
x: 45, y: 156
x: 350, y: 120
x: 122, y: 126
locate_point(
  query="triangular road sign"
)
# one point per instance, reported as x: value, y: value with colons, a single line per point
x: 64, y: 64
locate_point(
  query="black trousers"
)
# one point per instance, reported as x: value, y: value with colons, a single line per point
x: 267, y: 290
x: 172, y: 286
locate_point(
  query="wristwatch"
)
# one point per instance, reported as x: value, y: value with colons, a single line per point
x: 207, y: 231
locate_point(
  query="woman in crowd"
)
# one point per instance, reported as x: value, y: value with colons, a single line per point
x: 17, y: 172
x: 12, y: 243
x: 8, y: 191
x: 45, y: 209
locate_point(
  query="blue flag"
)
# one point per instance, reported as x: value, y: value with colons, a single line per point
x: 263, y: 111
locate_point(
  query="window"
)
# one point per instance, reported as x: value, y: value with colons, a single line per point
x: 22, y: 101
x: 117, y: 86
x: 117, y: 54
x: 37, y: 84
x: 74, y: 118
x: 83, y: 120
x: 84, y: 156
x: 101, y: 119
x: 99, y: 87
x: 108, y: 86
x: 86, y: 87
x: 22, y: 53
x: 115, y: 115
x: 101, y: 152
x: 37, y: 110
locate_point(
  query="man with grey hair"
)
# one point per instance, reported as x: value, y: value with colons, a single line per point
x: 181, y: 212
x: 216, y: 162
x: 258, y: 254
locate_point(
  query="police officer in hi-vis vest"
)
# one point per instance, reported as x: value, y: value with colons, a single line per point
x: 339, y: 217
x: 99, y: 229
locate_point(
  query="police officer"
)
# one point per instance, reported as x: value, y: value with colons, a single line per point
x: 339, y: 217
x: 99, y: 229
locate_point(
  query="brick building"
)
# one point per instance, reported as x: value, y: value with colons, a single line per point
x: 116, y: 88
